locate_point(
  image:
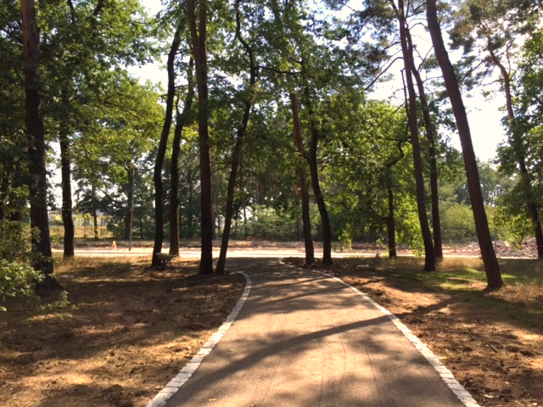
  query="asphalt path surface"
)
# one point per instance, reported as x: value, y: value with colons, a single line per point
x: 305, y: 339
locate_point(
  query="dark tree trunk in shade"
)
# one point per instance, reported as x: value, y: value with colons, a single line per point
x: 176, y: 148
x: 432, y: 137
x: 157, y: 174
x: 94, y: 211
x: 190, y: 215
x: 199, y: 48
x: 391, y: 227
x: 236, y: 154
x: 492, y: 268
x: 67, y: 219
x: 41, y: 246
x: 315, y: 183
x: 130, y: 212
x: 95, y: 225
x: 306, y: 219
x: 430, y: 261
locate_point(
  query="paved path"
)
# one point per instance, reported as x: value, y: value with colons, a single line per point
x: 304, y: 339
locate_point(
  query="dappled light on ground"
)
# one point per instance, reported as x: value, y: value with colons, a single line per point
x: 490, y: 341
x: 133, y: 329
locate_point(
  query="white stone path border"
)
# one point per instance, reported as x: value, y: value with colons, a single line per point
x: 445, y: 373
x: 184, y: 374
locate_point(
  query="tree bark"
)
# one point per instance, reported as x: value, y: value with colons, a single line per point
x: 130, y: 213
x: 157, y: 175
x: 236, y: 154
x: 391, y: 227
x: 432, y: 137
x: 519, y: 153
x: 430, y: 262
x: 174, y: 186
x: 94, y: 211
x: 41, y: 245
x: 315, y: 183
x: 67, y: 219
x: 199, y: 47
x: 492, y: 268
x: 190, y: 215
x: 306, y: 219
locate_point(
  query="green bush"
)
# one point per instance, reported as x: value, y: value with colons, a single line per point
x: 17, y: 280
x: 15, y: 240
x: 267, y: 224
x: 457, y: 224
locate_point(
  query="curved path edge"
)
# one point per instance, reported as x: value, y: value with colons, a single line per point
x: 186, y: 372
x: 449, y: 379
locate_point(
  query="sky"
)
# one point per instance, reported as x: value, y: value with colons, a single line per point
x: 484, y: 117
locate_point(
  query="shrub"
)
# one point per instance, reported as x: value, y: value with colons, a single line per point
x: 17, y: 280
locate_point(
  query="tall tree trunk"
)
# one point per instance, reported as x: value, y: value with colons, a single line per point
x: 130, y: 214
x: 306, y: 219
x: 391, y: 224
x: 520, y: 156
x: 157, y: 175
x: 67, y: 219
x: 174, y: 186
x: 243, y: 204
x: 199, y: 47
x: 94, y: 211
x: 432, y: 138
x: 95, y: 226
x: 430, y: 261
x: 391, y: 227
x: 41, y: 246
x: 315, y: 183
x: 492, y: 268
x: 236, y: 154
x: 190, y: 215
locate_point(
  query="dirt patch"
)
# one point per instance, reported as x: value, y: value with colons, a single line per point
x: 497, y: 358
x: 132, y: 331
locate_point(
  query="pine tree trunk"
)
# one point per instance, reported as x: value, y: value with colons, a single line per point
x: 430, y: 262
x: 492, y: 268
x: 317, y: 191
x: 67, y: 219
x: 236, y: 154
x: 391, y: 226
x: 174, y: 186
x: 157, y: 174
x: 199, y: 44
x: 41, y: 245
x: 306, y: 219
x: 432, y: 137
x: 94, y: 211
x: 130, y: 213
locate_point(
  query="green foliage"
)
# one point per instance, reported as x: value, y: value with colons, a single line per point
x: 17, y: 280
x: 15, y: 241
x: 269, y: 225
x: 457, y: 224
x: 61, y: 304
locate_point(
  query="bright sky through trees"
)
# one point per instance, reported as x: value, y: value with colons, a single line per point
x: 484, y: 114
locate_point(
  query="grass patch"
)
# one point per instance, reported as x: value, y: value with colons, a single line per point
x: 521, y: 297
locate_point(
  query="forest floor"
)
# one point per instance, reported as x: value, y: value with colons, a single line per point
x: 125, y: 330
